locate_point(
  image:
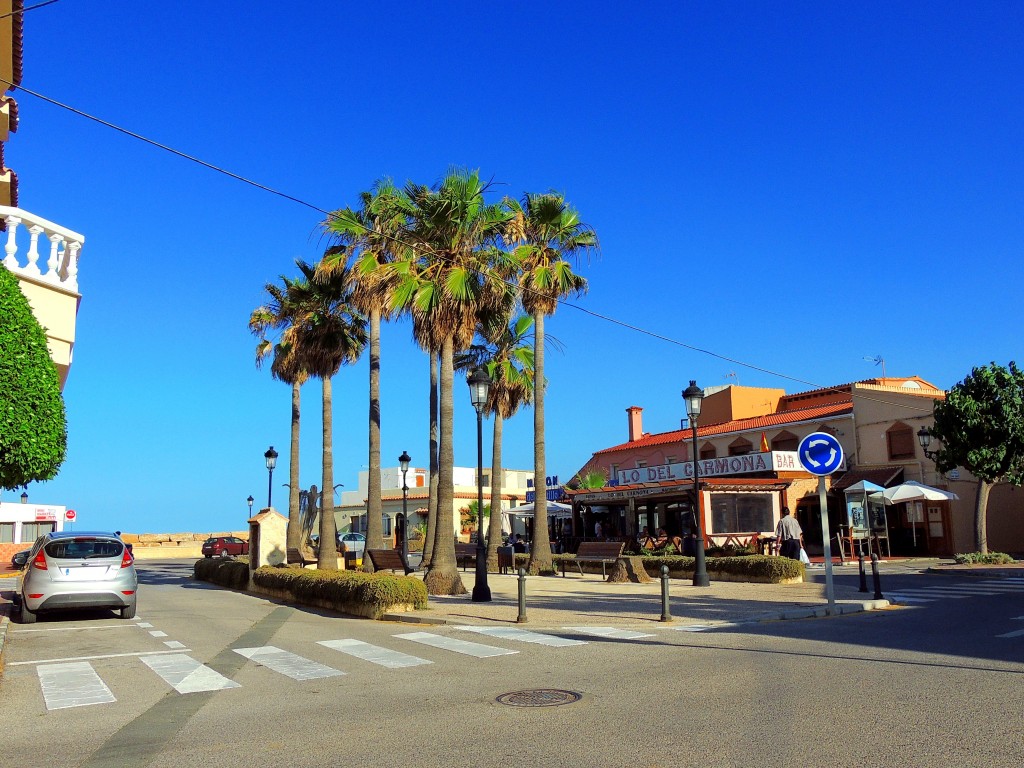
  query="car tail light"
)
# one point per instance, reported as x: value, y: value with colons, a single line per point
x: 127, y: 591
x: 126, y: 558
x: 35, y: 595
x: 40, y: 561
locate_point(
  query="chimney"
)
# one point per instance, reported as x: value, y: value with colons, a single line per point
x: 636, y: 428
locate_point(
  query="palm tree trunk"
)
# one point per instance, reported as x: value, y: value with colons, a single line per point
x: 540, y: 548
x: 294, y: 533
x: 328, y: 554
x: 443, y: 576
x: 428, y: 540
x: 494, y: 530
x: 374, y: 506
x: 981, y: 517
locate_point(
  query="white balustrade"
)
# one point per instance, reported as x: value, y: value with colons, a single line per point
x: 61, y: 262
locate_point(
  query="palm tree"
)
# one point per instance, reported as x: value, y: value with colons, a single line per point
x: 544, y: 232
x: 445, y: 284
x: 507, y: 355
x: 331, y: 333
x: 280, y: 313
x: 371, y: 236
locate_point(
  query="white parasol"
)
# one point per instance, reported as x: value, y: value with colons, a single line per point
x: 553, y: 508
x: 914, y: 491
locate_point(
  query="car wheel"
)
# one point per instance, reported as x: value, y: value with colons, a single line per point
x: 25, y: 616
x: 128, y: 612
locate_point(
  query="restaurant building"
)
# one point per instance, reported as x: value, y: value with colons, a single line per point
x: 748, y: 470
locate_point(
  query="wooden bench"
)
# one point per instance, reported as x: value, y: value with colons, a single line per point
x: 603, y: 552
x: 465, y: 554
x: 294, y: 555
x: 387, y: 560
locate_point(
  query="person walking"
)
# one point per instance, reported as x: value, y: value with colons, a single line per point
x: 790, y: 535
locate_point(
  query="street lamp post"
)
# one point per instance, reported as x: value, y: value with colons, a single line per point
x: 403, y: 462
x: 693, y: 396
x: 924, y: 438
x: 250, y: 500
x: 271, y: 457
x: 479, y: 385
x: 24, y: 497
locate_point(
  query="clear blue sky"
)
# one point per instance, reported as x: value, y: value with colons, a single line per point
x: 795, y: 186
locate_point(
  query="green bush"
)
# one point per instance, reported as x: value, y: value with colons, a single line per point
x: 224, y: 571
x: 990, y: 558
x: 761, y: 568
x: 33, y: 424
x: 380, y: 590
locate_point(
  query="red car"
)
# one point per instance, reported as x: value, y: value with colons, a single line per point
x: 225, y: 546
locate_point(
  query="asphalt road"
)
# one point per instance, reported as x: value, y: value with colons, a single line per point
x: 937, y: 683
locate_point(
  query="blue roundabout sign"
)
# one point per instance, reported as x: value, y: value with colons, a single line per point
x: 820, y: 453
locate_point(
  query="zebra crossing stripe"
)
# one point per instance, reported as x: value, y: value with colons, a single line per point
x: 74, y: 684
x: 941, y: 593
x: 384, y: 657
x: 999, y: 584
x: 458, y: 646
x: 525, y: 636
x: 989, y: 589
x: 186, y: 675
x: 1015, y: 633
x: 288, y: 664
x: 693, y: 628
x: 174, y: 644
x: 609, y: 632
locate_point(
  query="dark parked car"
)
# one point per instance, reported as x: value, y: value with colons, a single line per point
x: 20, y: 558
x: 225, y: 546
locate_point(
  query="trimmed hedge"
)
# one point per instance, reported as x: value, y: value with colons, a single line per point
x: 374, y: 593
x: 989, y: 558
x: 759, y: 568
x: 224, y: 571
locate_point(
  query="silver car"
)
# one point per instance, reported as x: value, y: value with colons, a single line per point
x: 81, y: 569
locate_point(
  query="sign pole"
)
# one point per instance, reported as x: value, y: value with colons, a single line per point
x: 827, y: 537
x: 821, y: 454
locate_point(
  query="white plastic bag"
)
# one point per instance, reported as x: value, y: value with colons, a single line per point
x: 803, y: 557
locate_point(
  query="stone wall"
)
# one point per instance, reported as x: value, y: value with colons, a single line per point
x: 155, y: 546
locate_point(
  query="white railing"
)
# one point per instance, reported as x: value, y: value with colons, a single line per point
x: 60, y: 267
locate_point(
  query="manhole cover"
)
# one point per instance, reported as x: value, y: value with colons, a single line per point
x: 539, y: 697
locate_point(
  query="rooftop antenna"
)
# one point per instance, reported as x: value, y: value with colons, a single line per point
x: 734, y: 376
x: 877, y: 360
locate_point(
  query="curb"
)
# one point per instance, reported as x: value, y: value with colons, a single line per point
x: 4, y: 621
x: 974, y: 572
x: 813, y: 612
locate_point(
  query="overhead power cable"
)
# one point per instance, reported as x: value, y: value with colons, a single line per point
x: 330, y: 214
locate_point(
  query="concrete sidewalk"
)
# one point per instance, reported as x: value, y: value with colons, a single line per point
x: 574, y: 600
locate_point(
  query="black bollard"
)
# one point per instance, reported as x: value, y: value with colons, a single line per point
x: 521, y: 618
x: 666, y: 615
x: 863, y: 574
x: 874, y: 576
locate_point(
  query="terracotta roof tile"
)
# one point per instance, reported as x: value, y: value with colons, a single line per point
x: 739, y: 425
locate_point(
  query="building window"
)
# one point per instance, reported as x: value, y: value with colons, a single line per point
x: 670, y: 459
x: 6, y: 533
x: 386, y: 523
x: 32, y: 531
x: 641, y: 464
x: 708, y: 451
x: 741, y: 512
x: 901, y: 441
x: 740, y: 447
x: 785, y: 441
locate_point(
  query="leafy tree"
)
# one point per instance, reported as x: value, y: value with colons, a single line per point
x: 981, y: 426
x: 33, y: 425
x: 545, y: 233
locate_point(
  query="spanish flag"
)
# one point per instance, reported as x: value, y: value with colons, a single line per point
x: 764, y: 443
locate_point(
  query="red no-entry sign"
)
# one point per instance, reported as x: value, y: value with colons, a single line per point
x: 70, y: 515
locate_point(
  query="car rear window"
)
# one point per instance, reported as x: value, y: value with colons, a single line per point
x: 84, y: 548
